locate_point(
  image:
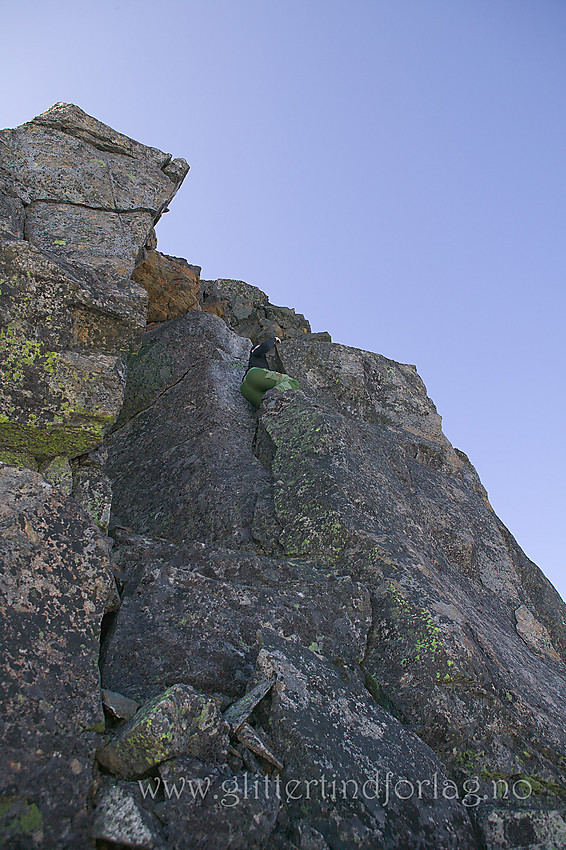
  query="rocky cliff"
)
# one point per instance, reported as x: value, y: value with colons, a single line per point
x: 296, y: 629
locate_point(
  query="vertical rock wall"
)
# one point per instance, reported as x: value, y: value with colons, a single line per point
x: 78, y: 203
x: 321, y: 636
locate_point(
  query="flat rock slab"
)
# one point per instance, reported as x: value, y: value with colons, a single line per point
x: 55, y: 583
x: 194, y: 618
x: 352, y: 771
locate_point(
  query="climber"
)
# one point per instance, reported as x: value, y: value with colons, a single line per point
x: 259, y: 378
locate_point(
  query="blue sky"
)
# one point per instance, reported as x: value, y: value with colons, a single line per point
x: 394, y: 169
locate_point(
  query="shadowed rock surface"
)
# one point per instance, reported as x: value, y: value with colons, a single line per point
x: 55, y: 568
x: 318, y: 634
x: 194, y: 477
x: 461, y: 634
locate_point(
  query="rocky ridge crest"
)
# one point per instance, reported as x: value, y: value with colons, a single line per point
x: 310, y: 614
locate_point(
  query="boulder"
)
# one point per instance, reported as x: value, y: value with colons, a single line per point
x: 55, y: 585
x: 247, y: 311
x: 177, y: 722
x: 120, y: 818
x: 58, y: 472
x: 119, y: 707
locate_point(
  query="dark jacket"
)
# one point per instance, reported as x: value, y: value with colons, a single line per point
x: 258, y: 352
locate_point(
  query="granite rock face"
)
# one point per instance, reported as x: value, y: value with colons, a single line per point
x: 56, y: 581
x: 317, y: 633
x: 351, y: 769
x: 217, y: 601
x: 172, y: 286
x: 368, y: 542
x: 78, y: 203
x: 247, y: 311
x: 195, y: 477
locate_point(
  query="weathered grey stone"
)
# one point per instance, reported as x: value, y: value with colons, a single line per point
x: 58, y: 472
x: 216, y: 809
x: 352, y: 770
x: 240, y: 710
x: 66, y: 156
x: 172, y: 286
x: 534, y: 634
x: 445, y: 576
x: 308, y: 838
x: 216, y: 600
x: 247, y: 311
x: 119, y: 819
x: 194, y: 476
x: 85, y: 200
x: 12, y: 217
x: 55, y: 583
x: 55, y: 399
x: 526, y: 829
x: 178, y: 721
x: 370, y: 388
x: 119, y: 706
x: 93, y: 491
x: 98, y: 239
x: 256, y: 742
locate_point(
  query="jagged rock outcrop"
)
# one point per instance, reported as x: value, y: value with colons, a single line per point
x: 362, y: 502
x: 78, y: 204
x: 318, y: 635
x: 247, y: 311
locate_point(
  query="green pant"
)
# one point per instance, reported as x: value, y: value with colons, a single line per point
x: 258, y: 381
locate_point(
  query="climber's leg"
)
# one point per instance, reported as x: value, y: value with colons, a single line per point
x: 258, y: 381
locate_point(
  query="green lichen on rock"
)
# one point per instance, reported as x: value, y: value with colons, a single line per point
x: 14, y: 458
x: 50, y: 440
x: 178, y: 721
x: 423, y: 636
x: 21, y: 822
x: 93, y: 491
x: 58, y: 473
